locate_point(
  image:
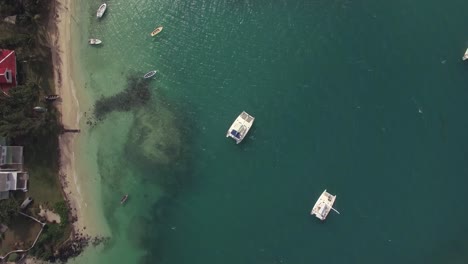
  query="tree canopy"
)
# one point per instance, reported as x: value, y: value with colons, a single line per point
x: 19, y: 120
x: 8, y: 209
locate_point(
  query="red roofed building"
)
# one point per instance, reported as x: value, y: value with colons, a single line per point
x: 7, y: 70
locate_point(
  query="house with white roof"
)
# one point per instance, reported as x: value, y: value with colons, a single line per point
x: 12, y: 181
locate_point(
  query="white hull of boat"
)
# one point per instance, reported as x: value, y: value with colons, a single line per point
x: 51, y: 97
x: 240, y: 127
x: 150, y: 74
x: 94, y: 41
x: 101, y: 10
x: 324, y: 205
x: 465, y: 56
x: 156, y: 31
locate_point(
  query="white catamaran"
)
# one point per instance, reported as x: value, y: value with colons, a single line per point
x: 240, y: 127
x: 323, y: 205
x: 465, y: 56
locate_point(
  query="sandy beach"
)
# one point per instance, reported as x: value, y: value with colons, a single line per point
x: 70, y: 110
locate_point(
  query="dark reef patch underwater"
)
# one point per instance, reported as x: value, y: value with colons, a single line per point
x: 156, y: 156
x: 136, y: 94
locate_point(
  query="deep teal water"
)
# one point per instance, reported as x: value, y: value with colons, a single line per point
x: 365, y: 99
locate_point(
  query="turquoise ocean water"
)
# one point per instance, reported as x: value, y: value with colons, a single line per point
x: 367, y: 99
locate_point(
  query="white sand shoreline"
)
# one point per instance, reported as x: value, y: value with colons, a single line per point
x: 70, y: 115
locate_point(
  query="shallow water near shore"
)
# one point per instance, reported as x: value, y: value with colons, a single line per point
x: 366, y: 100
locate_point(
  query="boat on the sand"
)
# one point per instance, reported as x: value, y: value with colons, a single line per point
x: 51, y: 97
x: 156, y: 31
x: 100, y: 12
x: 150, y: 74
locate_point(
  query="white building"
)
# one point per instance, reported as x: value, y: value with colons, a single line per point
x: 12, y: 181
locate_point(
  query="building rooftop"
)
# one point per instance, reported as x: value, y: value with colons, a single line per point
x: 11, y: 155
x: 8, y: 72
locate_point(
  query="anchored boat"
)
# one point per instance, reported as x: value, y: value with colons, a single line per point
x: 150, y: 74
x: 100, y: 12
x: 324, y: 205
x: 156, y: 31
x: 465, y: 56
x: 240, y: 127
x: 124, y: 199
x: 94, y: 41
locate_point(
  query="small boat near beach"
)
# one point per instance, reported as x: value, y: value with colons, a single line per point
x: 124, y: 199
x: 156, y: 31
x: 324, y: 205
x: 465, y: 56
x: 100, y: 12
x: 94, y: 41
x: 40, y: 109
x: 51, y: 97
x: 150, y: 74
x: 26, y: 202
x: 240, y: 127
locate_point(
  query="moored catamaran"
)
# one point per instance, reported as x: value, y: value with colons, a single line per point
x: 324, y: 205
x: 465, y: 56
x: 240, y: 127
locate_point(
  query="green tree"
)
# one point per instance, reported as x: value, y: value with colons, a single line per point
x: 8, y: 210
x: 18, y: 119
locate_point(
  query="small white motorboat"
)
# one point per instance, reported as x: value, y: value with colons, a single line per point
x: 323, y: 205
x: 240, y: 127
x: 26, y: 202
x: 150, y: 74
x: 40, y: 109
x: 156, y: 31
x: 465, y: 56
x: 94, y: 41
x: 100, y: 12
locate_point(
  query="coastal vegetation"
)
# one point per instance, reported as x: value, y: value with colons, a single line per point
x: 47, y: 243
x: 20, y: 122
x: 37, y: 132
x: 8, y: 210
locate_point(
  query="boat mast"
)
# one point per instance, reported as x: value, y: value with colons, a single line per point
x: 335, y: 210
